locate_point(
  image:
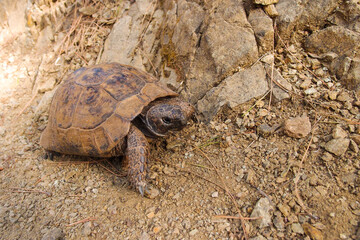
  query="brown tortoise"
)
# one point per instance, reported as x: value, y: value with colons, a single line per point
x: 106, y: 110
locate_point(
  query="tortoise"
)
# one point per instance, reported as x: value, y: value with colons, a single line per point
x: 108, y: 110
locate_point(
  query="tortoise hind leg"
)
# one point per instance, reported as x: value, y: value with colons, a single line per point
x: 136, y: 156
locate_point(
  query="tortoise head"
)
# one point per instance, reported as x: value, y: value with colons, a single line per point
x: 168, y: 114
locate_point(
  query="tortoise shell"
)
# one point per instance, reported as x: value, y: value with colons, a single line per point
x: 92, y: 110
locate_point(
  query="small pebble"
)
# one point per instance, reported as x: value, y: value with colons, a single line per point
x: 215, y: 194
x: 156, y: 229
x: 310, y: 91
x: 297, y: 228
x: 193, y: 232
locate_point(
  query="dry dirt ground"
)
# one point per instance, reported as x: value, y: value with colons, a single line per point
x: 301, y: 187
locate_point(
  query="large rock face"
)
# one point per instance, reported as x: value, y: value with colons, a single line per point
x: 205, y: 51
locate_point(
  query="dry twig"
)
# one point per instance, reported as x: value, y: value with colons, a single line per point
x: 26, y: 190
x: 297, y: 177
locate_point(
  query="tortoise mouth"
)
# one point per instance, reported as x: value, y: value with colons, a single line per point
x: 150, y: 128
x: 144, y: 126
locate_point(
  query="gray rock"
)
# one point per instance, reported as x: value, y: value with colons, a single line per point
x: 298, y: 127
x: 338, y: 132
x: 334, y: 39
x: 54, y: 234
x: 303, y: 15
x: 215, y: 194
x: 263, y: 29
x: 152, y: 193
x: 310, y: 91
x: 185, y: 36
x: 234, y: 90
x: 337, y: 146
x: 230, y: 26
x: 351, y: 78
x: 297, y: 228
x: 263, y: 209
x: 281, y: 86
x: 279, y: 222
x: 124, y: 38
x: 353, y: 146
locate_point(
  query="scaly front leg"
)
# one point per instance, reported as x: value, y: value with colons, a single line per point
x: 136, y: 156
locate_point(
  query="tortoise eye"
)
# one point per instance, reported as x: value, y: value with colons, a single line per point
x: 166, y: 120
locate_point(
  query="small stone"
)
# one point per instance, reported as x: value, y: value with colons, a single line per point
x: 54, y: 234
x: 152, y: 193
x: 353, y: 146
x: 356, y: 138
x: 344, y: 97
x: 262, y: 209
x: 337, y: 146
x: 349, y: 178
x: 322, y: 190
x: 313, y: 181
x: 269, y: 59
x: 263, y: 112
x: 310, y: 91
x: 215, y: 194
x: 46, y: 86
x: 271, y: 11
x: 297, y: 228
x: 306, y: 83
x: 327, y: 157
x: 88, y: 10
x: 298, y: 127
x: 284, y: 209
x: 338, y: 132
x: 332, y: 214
x: 279, y: 221
x: 193, y: 232
x: 223, y: 226
x: 156, y: 229
x: 312, y: 232
x: 292, y: 71
x: 151, y: 215
x: 319, y: 72
x: 264, y: 130
x: 343, y: 236
x: 176, y: 196
x: 87, y: 229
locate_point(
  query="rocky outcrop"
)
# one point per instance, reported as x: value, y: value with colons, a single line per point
x: 205, y: 51
x: 331, y: 30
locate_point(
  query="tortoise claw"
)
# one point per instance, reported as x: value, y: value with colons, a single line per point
x: 143, y: 189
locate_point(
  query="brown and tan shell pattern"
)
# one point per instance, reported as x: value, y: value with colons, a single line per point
x: 91, y: 111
